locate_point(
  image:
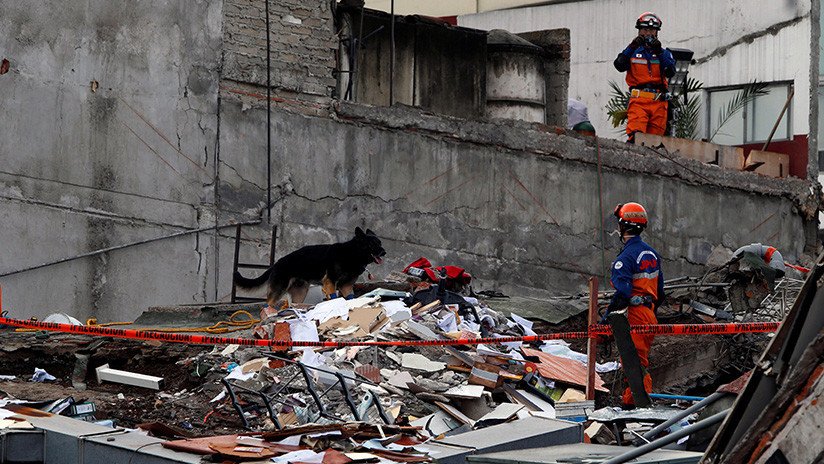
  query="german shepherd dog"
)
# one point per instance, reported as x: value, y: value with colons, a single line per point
x: 336, y: 267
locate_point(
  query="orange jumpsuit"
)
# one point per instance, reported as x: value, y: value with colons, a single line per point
x: 646, y: 76
x: 636, y: 274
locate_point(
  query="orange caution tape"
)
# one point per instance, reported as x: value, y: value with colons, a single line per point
x: 660, y: 329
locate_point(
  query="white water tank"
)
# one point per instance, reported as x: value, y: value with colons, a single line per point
x: 515, y: 82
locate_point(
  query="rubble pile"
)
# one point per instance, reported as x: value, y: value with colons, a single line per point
x: 338, y: 404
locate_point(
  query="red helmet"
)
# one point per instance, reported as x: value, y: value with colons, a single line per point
x: 631, y: 215
x: 648, y: 20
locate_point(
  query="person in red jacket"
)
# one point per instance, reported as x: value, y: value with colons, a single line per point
x: 648, y: 66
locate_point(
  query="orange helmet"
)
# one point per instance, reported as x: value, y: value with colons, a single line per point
x: 631, y: 215
x: 648, y: 20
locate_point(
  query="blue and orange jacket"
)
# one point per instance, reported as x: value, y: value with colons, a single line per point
x: 645, y: 67
x: 637, y: 272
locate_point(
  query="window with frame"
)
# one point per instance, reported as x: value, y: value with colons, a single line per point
x: 755, y: 121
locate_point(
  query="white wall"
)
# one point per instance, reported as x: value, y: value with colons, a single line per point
x: 600, y: 29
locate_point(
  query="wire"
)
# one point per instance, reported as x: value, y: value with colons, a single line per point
x: 233, y: 324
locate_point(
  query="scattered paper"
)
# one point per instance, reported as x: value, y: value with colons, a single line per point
x: 326, y: 310
x: 40, y: 375
x: 304, y: 330
x: 524, y: 323
x: 237, y: 374
x: 293, y: 440
x: 485, y: 350
x: 312, y: 359
x: 306, y: 456
x: 218, y: 397
x: 62, y: 318
x: 396, y: 310
x: 561, y: 349
x: 229, y: 350
x: 448, y: 323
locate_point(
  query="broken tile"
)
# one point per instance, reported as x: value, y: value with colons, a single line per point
x: 421, y: 362
x: 370, y: 372
x: 564, y: 370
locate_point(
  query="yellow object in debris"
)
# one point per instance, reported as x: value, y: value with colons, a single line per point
x: 234, y: 324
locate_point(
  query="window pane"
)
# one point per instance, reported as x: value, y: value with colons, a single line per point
x: 821, y: 45
x: 764, y: 111
x: 732, y: 132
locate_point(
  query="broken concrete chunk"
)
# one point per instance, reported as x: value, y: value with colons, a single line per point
x: 503, y: 413
x: 572, y: 395
x: 420, y: 362
x: 465, y: 391
x: 401, y: 379
x: 393, y: 356
x: 431, y: 385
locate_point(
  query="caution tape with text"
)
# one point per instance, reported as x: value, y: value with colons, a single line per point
x: 594, y: 330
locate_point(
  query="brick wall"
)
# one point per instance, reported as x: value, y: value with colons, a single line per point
x: 303, y: 44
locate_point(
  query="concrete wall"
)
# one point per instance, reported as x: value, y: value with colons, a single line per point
x: 515, y: 204
x: 735, y: 42
x: 170, y: 138
x: 107, y: 137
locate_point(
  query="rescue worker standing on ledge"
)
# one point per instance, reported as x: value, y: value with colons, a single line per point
x: 648, y: 66
x: 638, y: 282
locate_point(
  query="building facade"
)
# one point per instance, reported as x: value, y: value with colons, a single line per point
x: 734, y: 43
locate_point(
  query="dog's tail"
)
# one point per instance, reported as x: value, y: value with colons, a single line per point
x: 243, y: 282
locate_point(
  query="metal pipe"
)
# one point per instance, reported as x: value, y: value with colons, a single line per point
x: 780, y: 117
x: 268, y: 118
x: 673, y: 437
x: 695, y: 407
x: 120, y: 247
x: 662, y: 396
x: 392, y: 56
x: 714, y: 284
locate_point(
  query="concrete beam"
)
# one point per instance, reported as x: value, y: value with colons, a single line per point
x: 107, y: 374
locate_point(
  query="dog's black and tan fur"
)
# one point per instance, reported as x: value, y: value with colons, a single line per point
x: 336, y: 267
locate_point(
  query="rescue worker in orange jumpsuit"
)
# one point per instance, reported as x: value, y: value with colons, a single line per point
x: 638, y: 282
x: 648, y: 66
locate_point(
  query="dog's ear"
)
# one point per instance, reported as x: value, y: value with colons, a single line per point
x: 369, y: 232
x: 358, y: 232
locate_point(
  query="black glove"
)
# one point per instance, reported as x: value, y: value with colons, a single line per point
x: 618, y: 303
x: 655, y: 44
x: 636, y: 42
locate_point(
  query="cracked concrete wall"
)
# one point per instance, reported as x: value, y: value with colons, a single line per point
x: 108, y: 137
x: 516, y: 204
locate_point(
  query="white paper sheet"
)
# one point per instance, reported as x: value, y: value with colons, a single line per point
x: 300, y: 455
x: 304, y: 330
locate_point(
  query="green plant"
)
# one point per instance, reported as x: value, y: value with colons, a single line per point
x: 737, y: 103
x: 686, y: 115
x: 617, y: 105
